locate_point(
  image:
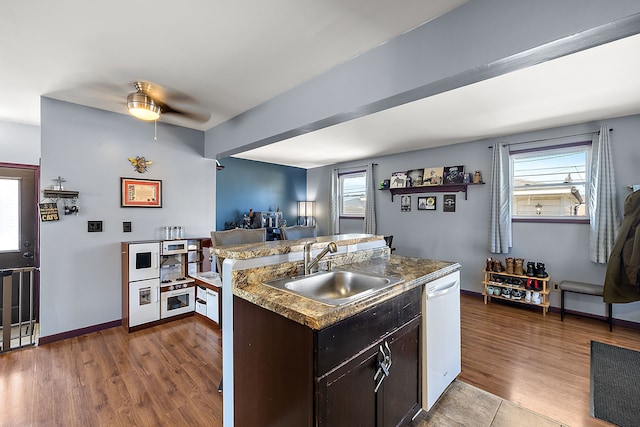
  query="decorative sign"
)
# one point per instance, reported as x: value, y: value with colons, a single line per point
x: 449, y: 203
x: 49, y: 212
x: 140, y: 193
x: 405, y: 204
x: 140, y: 164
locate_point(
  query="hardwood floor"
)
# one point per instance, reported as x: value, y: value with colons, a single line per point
x: 165, y: 375
x: 169, y: 374
x: 539, y: 363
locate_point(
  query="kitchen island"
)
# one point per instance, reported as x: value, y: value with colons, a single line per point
x: 284, y: 355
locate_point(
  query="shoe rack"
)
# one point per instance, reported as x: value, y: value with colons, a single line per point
x: 513, y: 282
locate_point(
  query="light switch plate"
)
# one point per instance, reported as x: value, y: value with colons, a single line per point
x: 126, y: 226
x: 94, y: 226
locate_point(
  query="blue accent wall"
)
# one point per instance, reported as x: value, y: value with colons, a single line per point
x: 246, y: 184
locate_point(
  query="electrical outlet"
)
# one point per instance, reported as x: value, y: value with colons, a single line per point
x: 126, y: 226
x: 94, y: 226
x: 555, y: 287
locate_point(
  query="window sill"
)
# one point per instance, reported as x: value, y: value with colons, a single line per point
x: 548, y: 220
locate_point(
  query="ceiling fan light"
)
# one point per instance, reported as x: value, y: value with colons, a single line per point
x: 143, y: 107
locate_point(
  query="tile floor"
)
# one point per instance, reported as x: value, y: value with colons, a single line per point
x: 465, y: 405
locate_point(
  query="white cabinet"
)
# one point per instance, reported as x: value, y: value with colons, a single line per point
x: 144, y: 301
x: 213, y: 312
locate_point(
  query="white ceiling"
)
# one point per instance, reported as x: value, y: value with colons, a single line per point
x: 232, y: 56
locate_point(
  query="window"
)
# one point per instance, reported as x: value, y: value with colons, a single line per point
x: 352, y: 194
x: 551, y: 183
x: 9, y: 215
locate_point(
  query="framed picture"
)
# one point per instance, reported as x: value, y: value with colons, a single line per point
x: 405, y: 204
x: 449, y: 203
x: 427, y: 203
x: 432, y: 176
x: 398, y: 180
x: 453, y: 174
x: 414, y: 177
x: 140, y: 193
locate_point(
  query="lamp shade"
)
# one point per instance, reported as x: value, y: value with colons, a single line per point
x: 142, y: 106
x: 306, y: 210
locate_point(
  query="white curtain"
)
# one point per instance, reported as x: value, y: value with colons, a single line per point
x: 604, y: 220
x: 500, y: 209
x: 370, y: 204
x: 334, y: 220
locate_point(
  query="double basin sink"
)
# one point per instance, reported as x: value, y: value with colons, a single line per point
x: 336, y: 287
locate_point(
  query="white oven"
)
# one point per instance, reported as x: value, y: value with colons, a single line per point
x: 172, y: 247
x: 177, y: 299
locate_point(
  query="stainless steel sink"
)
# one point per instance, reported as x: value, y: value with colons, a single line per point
x: 337, y: 287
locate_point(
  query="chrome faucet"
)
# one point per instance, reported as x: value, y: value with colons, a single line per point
x: 310, y: 265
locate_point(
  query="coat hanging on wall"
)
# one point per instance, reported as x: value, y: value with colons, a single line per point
x: 622, y: 283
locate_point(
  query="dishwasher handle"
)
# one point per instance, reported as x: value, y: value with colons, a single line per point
x: 432, y: 293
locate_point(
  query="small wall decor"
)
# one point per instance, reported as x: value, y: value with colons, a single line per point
x: 140, y: 193
x: 49, y: 212
x: 427, y: 203
x: 140, y: 164
x: 405, y: 204
x: 432, y: 176
x: 398, y: 180
x: 449, y: 203
x: 453, y: 174
x: 414, y: 177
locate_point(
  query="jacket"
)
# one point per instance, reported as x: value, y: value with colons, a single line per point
x: 621, y: 282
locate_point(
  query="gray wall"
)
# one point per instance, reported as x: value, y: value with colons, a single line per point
x: 468, y: 38
x: 19, y: 143
x: 81, y: 274
x: 463, y: 236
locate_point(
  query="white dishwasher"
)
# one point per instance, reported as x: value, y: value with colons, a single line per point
x: 441, y: 340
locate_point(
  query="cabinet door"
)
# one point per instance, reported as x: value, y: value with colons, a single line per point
x: 144, y: 301
x: 399, y: 395
x: 345, y: 396
x: 212, y: 306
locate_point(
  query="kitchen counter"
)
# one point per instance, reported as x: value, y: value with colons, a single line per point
x: 316, y: 315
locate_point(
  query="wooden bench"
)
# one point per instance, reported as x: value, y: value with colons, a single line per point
x: 585, y: 289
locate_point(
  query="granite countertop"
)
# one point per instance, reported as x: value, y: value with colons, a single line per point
x: 316, y: 315
x: 280, y: 247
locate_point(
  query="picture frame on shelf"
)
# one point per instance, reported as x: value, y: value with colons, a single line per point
x: 432, y: 176
x: 414, y: 177
x: 140, y: 193
x: 398, y: 180
x: 453, y: 174
x: 427, y: 203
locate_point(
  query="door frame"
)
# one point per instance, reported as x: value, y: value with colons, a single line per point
x: 36, y: 228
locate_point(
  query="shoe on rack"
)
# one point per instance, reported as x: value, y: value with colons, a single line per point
x: 506, y: 293
x: 509, y: 262
x: 535, y: 298
x: 517, y: 294
x: 527, y: 298
x: 497, y: 266
x: 529, y: 285
x: 537, y: 285
x: 517, y: 267
x: 489, y: 265
x: 540, y: 270
x: 489, y: 290
x: 530, y: 269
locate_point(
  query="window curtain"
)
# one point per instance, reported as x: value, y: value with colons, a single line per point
x: 370, y: 204
x: 500, y: 208
x: 334, y: 220
x: 604, y: 220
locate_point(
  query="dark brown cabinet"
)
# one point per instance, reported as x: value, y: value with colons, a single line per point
x: 291, y: 375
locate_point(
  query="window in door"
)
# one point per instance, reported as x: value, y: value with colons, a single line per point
x: 9, y: 215
x: 551, y: 183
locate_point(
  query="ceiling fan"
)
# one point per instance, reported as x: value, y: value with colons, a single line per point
x: 149, y: 101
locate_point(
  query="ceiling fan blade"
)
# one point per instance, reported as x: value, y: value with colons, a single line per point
x: 200, y: 116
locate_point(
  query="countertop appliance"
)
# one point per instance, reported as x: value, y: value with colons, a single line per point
x: 441, y: 329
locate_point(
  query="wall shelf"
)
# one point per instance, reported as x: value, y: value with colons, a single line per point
x: 60, y: 194
x: 444, y: 188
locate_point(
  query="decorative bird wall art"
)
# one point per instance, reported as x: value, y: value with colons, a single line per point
x: 140, y: 164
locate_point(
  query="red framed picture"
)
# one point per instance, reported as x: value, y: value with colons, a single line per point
x: 140, y: 193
